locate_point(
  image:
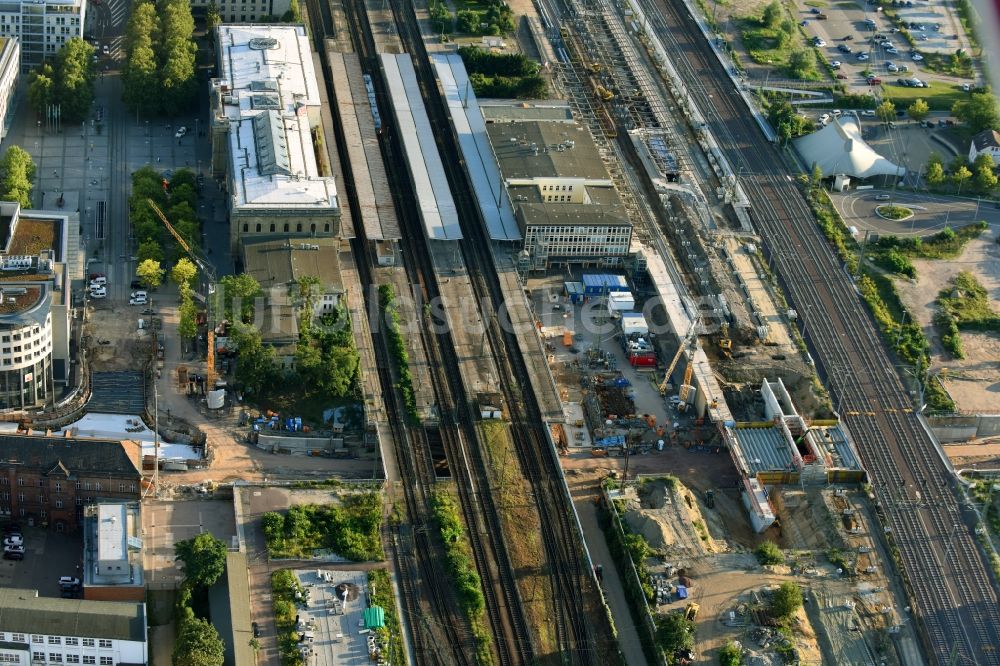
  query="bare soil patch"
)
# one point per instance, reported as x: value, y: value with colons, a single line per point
x: 113, y: 340
x: 973, y: 382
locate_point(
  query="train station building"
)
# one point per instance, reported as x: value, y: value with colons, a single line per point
x: 268, y: 147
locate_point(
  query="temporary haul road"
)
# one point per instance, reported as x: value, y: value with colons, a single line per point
x: 951, y: 589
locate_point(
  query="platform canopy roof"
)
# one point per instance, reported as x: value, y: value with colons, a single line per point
x: 839, y: 149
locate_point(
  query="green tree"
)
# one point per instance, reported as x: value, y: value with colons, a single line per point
x: 786, y: 600
x: 918, y: 110
x: 198, y: 644
x: 150, y: 249
x: 769, y: 553
x: 309, y: 291
x: 674, y: 633
x: 203, y: 557
x: 886, y: 111
x: 935, y: 174
x: 985, y: 180
x: 467, y: 21
x: 801, y: 63
x: 816, y: 177
x: 960, y: 176
x: 17, y: 174
x: 42, y: 88
x: 980, y: 111
x: 149, y: 273
x: 212, y: 16
x: 183, y: 274
x: 74, y: 82
x: 187, y: 325
x: 730, y: 655
x: 293, y: 14
x: 240, y: 291
x: 256, y: 366
x: 983, y: 161
x: 771, y: 18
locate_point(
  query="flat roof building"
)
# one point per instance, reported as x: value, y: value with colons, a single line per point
x: 42, y: 630
x: 565, y: 203
x: 267, y: 134
x: 42, y: 26
x: 112, y: 552
x: 10, y: 69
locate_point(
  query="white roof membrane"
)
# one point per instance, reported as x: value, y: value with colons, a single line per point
x: 436, y: 205
x: 480, y: 162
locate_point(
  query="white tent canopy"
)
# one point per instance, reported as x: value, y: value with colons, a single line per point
x: 839, y: 149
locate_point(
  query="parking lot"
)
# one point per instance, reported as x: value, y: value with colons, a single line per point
x: 47, y: 556
x: 165, y: 523
x: 845, y: 36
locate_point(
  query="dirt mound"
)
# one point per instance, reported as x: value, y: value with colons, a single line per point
x: 650, y: 528
x: 653, y: 496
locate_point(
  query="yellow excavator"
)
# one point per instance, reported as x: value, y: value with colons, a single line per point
x: 687, y: 341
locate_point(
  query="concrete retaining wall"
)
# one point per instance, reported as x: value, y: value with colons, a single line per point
x: 961, y: 428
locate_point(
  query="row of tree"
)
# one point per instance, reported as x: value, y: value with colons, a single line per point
x: 160, y: 69
x: 198, y: 642
x: 67, y: 81
x: 981, y: 174
x: 17, y: 176
x: 177, y: 198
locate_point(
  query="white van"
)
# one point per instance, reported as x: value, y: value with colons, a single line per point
x: 99, y: 292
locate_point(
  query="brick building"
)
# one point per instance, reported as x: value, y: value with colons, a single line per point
x: 48, y: 480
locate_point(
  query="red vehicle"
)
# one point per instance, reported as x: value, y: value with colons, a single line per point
x: 874, y: 81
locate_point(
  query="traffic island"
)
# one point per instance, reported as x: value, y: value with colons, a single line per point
x: 895, y: 213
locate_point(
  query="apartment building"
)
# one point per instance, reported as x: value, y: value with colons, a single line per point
x: 244, y: 11
x: 10, y: 70
x: 41, y: 26
x: 48, y: 481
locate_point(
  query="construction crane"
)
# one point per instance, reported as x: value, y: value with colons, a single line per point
x: 687, y: 341
x: 209, y: 272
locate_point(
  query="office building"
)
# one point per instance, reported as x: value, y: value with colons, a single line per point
x: 41, y: 26
x: 41, y: 630
x: 267, y: 139
x: 112, y: 552
x: 10, y: 70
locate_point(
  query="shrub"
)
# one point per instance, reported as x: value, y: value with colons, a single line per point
x: 769, y: 553
x: 786, y: 600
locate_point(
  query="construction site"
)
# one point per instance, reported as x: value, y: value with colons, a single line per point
x: 700, y: 566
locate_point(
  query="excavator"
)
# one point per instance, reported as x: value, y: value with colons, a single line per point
x: 688, y: 341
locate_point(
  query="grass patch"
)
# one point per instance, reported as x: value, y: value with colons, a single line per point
x: 968, y: 302
x: 939, y: 97
x: 380, y: 594
x: 286, y: 591
x: 879, y: 292
x: 468, y: 585
x: 397, y: 347
x: 819, y: 4
x: 350, y: 529
x: 521, y: 525
x: 894, y: 212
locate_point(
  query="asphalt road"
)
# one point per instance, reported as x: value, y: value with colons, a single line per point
x: 931, y: 212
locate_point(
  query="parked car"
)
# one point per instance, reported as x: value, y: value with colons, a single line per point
x: 874, y: 81
x: 862, y: 57
x: 138, y: 301
x: 844, y: 48
x: 14, y: 540
x: 825, y: 118
x: 883, y: 197
x: 836, y: 64
x: 966, y: 87
x: 99, y: 292
x: 819, y: 43
x: 868, y: 113
x: 69, y: 581
x: 841, y: 75
x: 13, y: 549
x: 837, y: 113
x: 891, y: 67
x: 916, y: 57
x: 181, y: 131
x: 893, y: 50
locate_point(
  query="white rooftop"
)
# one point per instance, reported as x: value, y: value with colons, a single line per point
x: 111, y: 542
x: 839, y: 148
x: 269, y: 93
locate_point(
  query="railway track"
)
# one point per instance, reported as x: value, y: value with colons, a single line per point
x: 507, y: 621
x: 438, y: 631
x: 575, y: 596
x: 947, y: 578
